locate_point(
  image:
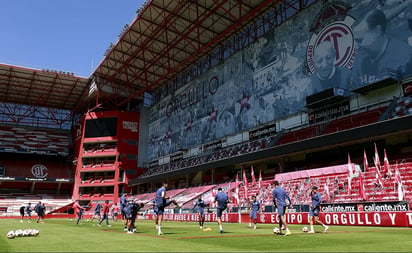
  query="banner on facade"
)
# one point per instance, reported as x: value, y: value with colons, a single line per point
x: 384, y: 219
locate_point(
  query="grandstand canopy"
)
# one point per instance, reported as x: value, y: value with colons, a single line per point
x: 166, y: 38
x: 169, y: 36
x: 44, y: 88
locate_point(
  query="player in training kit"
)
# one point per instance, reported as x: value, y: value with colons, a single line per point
x: 221, y: 200
x: 106, y: 208
x: 28, y: 211
x: 135, y: 211
x: 38, y: 209
x: 115, y: 212
x: 22, y: 213
x: 123, y: 204
x: 200, y: 206
x: 155, y: 212
x: 254, y: 209
x: 131, y: 211
x: 42, y: 212
x: 161, y: 202
x: 315, y: 209
x: 78, y: 210
x: 97, y: 210
x: 279, y: 200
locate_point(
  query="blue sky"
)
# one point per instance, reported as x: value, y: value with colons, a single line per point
x: 63, y: 35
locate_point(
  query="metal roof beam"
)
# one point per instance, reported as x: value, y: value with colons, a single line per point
x: 154, y: 31
x: 222, y: 35
x: 214, y: 10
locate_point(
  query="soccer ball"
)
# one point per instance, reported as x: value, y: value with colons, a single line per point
x: 276, y: 231
x: 18, y: 233
x: 11, y: 235
x: 305, y: 229
x: 26, y: 232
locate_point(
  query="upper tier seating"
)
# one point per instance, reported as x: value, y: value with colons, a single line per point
x: 340, y: 124
x: 34, y: 141
x: 352, y: 121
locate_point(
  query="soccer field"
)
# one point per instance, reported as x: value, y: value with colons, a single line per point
x: 59, y: 235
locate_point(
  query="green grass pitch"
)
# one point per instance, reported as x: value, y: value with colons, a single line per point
x: 62, y: 235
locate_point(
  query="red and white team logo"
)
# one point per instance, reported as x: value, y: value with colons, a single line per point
x: 262, y: 218
x: 39, y: 171
x: 332, y: 43
x: 407, y: 88
x: 340, y: 36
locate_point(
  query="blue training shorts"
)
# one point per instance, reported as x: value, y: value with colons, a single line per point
x: 159, y: 210
x: 253, y: 215
x: 314, y: 211
x: 220, y: 211
x: 128, y: 215
x: 281, y: 210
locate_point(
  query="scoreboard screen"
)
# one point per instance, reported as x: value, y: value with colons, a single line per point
x: 101, y: 127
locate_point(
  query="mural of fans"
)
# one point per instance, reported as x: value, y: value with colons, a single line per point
x: 225, y: 124
x: 327, y: 75
x: 271, y: 77
x: 377, y: 52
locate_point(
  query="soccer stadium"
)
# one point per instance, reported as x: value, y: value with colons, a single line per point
x: 218, y: 97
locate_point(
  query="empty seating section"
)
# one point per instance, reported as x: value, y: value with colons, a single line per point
x: 209, y: 195
x: 348, y: 122
x: 34, y: 141
x: 101, y: 163
x: 403, y: 108
x: 13, y: 202
x: 223, y: 153
x: 147, y: 198
x: 290, y: 136
x: 332, y: 186
x: 98, y: 180
x: 191, y: 193
x: 301, y: 134
x: 99, y: 149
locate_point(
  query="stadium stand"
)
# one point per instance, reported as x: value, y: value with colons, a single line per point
x: 27, y: 140
x: 267, y: 98
x: 11, y: 203
x: 402, y: 108
x: 332, y: 183
x: 235, y: 150
x: 20, y: 165
x: 288, y: 136
x: 352, y: 121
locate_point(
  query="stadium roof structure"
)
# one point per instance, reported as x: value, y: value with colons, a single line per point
x: 165, y: 39
x: 168, y: 37
x: 44, y: 88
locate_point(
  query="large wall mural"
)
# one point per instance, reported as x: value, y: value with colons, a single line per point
x: 340, y: 44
